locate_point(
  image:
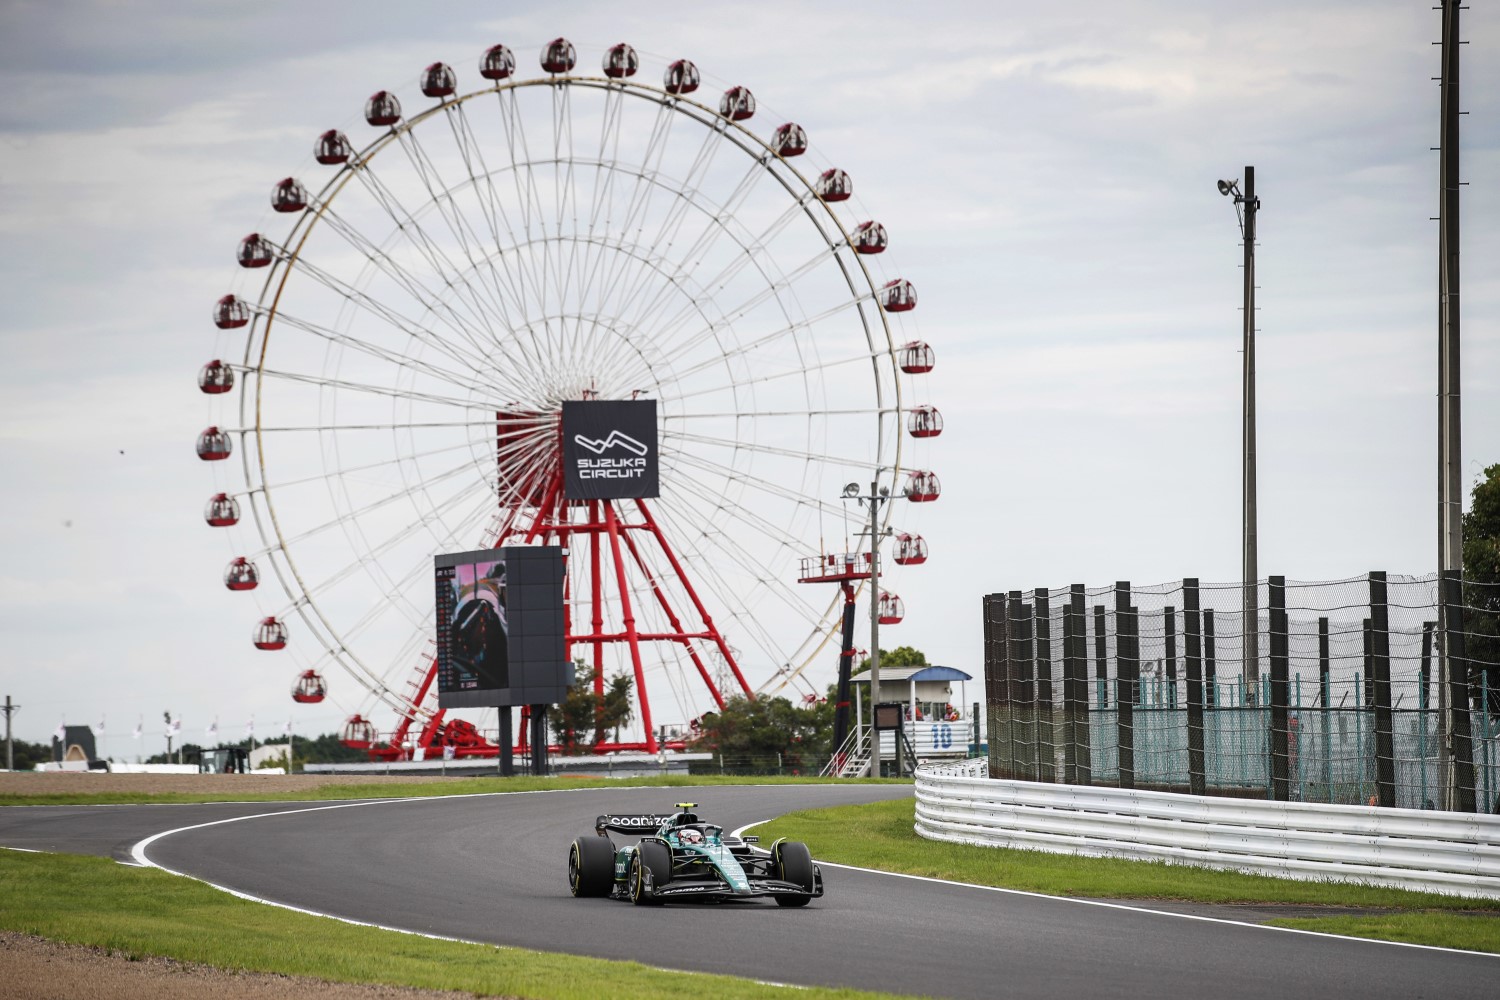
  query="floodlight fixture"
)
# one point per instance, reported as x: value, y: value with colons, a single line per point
x: 851, y: 491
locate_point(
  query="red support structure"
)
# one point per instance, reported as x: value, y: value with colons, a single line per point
x: 534, y: 509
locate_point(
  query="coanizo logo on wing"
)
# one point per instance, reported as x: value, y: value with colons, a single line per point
x: 609, y: 449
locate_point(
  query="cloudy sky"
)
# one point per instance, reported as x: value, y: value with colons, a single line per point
x: 1046, y: 173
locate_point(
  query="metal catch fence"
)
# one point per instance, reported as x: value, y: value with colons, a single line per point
x: 1337, y: 694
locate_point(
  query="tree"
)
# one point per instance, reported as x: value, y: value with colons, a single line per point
x: 765, y: 727
x: 29, y: 755
x: 1481, y: 526
x: 584, y: 712
x: 901, y: 656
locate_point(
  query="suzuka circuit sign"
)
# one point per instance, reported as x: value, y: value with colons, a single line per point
x: 609, y: 449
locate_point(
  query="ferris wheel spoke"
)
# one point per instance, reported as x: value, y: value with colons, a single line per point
x: 732, y: 269
x: 431, y: 300
x: 411, y: 328
x: 497, y: 218
x: 716, y: 223
x: 774, y: 289
x: 744, y: 514
x: 528, y: 196
x: 392, y: 426
x: 688, y: 196
x: 767, y: 340
x: 268, y: 486
x: 766, y: 487
x: 409, y: 225
x: 582, y: 266
x: 735, y: 444
x: 443, y: 200
x: 363, y: 346
x: 307, y: 534
x: 646, y: 183
x: 804, y: 369
x: 324, y: 382
x: 396, y: 590
x: 768, y: 578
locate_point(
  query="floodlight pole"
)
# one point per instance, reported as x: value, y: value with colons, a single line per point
x: 874, y: 501
x: 1251, y: 542
x: 1249, y: 535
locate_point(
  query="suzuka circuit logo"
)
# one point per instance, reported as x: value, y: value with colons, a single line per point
x: 621, y: 467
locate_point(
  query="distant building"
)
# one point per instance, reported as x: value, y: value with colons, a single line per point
x: 77, y: 744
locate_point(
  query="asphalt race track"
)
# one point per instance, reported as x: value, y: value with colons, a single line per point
x: 493, y: 868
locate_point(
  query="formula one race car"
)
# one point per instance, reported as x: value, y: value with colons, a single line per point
x: 678, y: 857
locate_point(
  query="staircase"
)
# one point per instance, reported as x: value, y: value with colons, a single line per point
x: 853, y: 758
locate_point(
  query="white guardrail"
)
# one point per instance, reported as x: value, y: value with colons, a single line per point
x: 1447, y: 852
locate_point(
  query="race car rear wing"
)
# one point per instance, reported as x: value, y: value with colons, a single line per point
x: 630, y: 822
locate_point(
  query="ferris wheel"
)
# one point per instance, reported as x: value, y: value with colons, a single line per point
x: 394, y: 361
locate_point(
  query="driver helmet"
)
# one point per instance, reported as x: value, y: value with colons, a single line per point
x: 691, y: 837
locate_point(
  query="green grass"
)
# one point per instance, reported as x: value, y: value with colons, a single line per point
x: 144, y: 911
x: 880, y: 836
x: 396, y: 790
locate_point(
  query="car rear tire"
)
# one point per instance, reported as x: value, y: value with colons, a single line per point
x: 793, y: 863
x: 591, y: 866
x: 657, y: 860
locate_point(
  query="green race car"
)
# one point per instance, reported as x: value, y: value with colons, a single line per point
x: 679, y: 857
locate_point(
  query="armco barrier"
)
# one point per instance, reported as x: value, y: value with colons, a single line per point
x: 1447, y: 852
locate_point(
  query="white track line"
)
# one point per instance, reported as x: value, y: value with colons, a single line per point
x: 1136, y: 909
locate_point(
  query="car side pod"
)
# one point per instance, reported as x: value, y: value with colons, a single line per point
x: 591, y: 866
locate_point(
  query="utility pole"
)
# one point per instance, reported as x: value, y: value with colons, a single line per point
x: 10, y: 756
x: 1450, y: 451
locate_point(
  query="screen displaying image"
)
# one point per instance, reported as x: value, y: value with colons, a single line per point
x: 473, y: 626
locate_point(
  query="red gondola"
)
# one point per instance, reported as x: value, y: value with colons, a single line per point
x: 922, y: 486
x: 332, y: 148
x: 924, y: 422
x: 737, y: 104
x: 892, y: 608
x: 621, y: 61
x: 869, y: 237
x: 357, y: 734
x: 255, y: 251
x: 309, y: 688
x: 834, y: 185
x: 270, y: 634
x: 917, y: 357
x: 911, y: 550
x: 789, y: 140
x: 214, y: 445
x: 438, y: 80
x: 497, y: 63
x: 680, y: 78
x: 241, y: 574
x: 222, y: 511
x: 288, y: 196
x: 559, y: 56
x: 382, y: 109
x: 898, y: 296
x: 215, y: 377
x: 230, y: 313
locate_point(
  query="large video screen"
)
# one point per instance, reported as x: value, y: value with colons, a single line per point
x: 472, y: 629
x: 500, y: 627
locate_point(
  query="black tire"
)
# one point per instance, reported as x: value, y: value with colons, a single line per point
x: 793, y: 863
x: 656, y: 859
x: 591, y: 866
